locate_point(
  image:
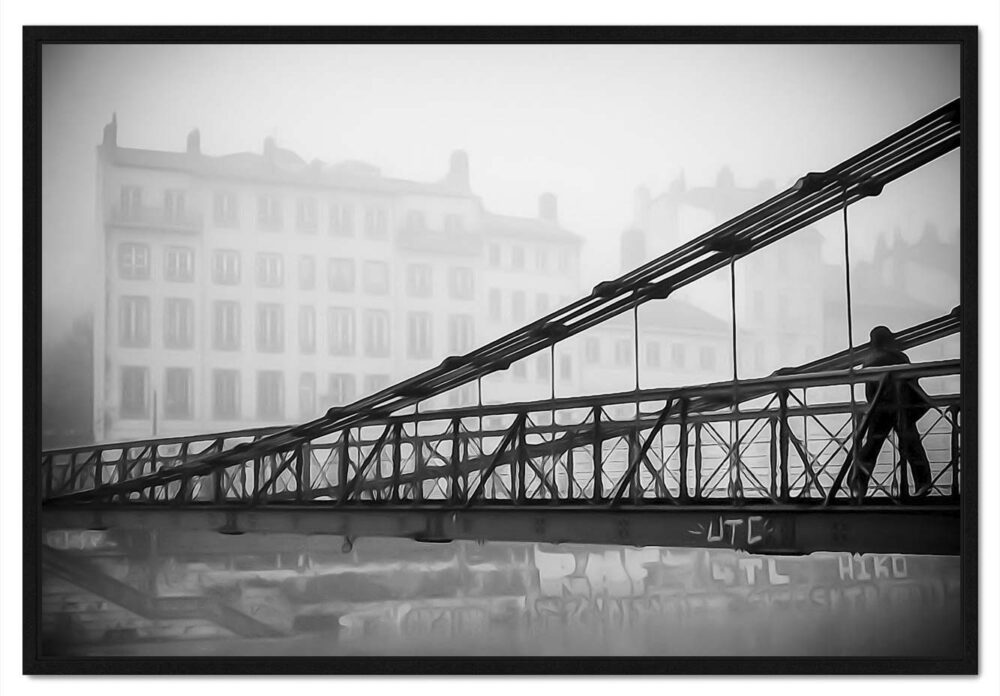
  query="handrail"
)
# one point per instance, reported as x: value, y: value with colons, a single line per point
x: 571, y: 434
x: 725, y: 387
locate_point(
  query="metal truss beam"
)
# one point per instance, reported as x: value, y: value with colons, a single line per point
x: 756, y: 528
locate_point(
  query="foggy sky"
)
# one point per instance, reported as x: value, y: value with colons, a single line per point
x: 589, y: 123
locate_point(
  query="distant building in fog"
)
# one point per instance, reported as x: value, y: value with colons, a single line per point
x: 903, y: 284
x: 779, y: 303
x: 256, y: 289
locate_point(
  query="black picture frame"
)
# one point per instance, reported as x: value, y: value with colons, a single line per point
x: 34, y: 37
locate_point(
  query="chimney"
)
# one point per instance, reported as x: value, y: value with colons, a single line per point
x: 725, y: 179
x: 458, y: 170
x: 194, y: 142
x: 679, y: 185
x: 269, y: 148
x: 548, y: 209
x: 111, y: 132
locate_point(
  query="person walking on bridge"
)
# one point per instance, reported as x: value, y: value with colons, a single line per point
x: 900, y: 405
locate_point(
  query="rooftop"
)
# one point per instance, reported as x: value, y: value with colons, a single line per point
x: 277, y: 165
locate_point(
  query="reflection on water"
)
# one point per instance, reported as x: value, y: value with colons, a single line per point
x: 188, y: 593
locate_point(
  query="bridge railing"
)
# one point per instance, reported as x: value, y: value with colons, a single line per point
x: 73, y: 469
x: 787, y: 440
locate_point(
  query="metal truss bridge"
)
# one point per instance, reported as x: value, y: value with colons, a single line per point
x: 754, y: 464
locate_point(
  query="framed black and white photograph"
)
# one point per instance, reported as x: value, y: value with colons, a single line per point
x: 501, y: 350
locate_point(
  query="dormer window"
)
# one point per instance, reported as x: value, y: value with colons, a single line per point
x: 305, y: 218
x: 341, y: 220
x: 376, y: 222
x: 131, y: 201
x: 268, y: 212
x: 225, y: 210
x: 173, y: 205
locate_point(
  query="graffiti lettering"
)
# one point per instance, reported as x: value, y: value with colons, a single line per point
x: 876, y: 567
x: 737, y: 532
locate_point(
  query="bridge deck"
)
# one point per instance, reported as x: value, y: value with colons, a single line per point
x: 928, y: 528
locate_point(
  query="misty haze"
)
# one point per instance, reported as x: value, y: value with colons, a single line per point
x: 242, y: 242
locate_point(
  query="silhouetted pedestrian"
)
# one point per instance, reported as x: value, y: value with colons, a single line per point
x: 900, y: 405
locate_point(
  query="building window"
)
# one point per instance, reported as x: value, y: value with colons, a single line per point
x: 305, y: 215
x: 226, y: 267
x: 307, y: 395
x: 592, y: 350
x: 542, y: 260
x: 226, y: 325
x: 565, y: 367
x: 415, y: 221
x: 133, y: 401
x: 653, y: 354
x: 178, y: 264
x: 270, y: 270
x: 178, y: 323
x: 134, y: 326
x: 226, y: 212
x: 495, y: 303
x: 542, y: 304
x: 706, y: 357
x: 340, y: 275
x: 460, y: 283
x: 517, y: 309
x: 460, y: 333
x: 376, y: 222
x: 173, y: 206
x: 177, y: 400
x: 375, y: 277
x: 418, y: 280
x: 268, y: 213
x: 341, y: 389
x: 341, y: 330
x: 542, y: 365
x: 226, y: 394
x: 375, y: 383
x: 418, y: 335
x: 377, y: 333
x: 494, y: 255
x: 270, y: 395
x: 307, y: 329
x: 307, y: 273
x: 133, y: 261
x: 517, y: 258
x: 624, y: 350
x: 677, y: 355
x: 453, y: 223
x: 341, y: 220
x: 131, y: 202
x: 270, y: 328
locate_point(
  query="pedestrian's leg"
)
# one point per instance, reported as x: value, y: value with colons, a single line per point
x: 913, y: 449
x: 864, y: 461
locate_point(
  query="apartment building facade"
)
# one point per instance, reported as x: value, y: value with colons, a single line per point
x: 259, y: 289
